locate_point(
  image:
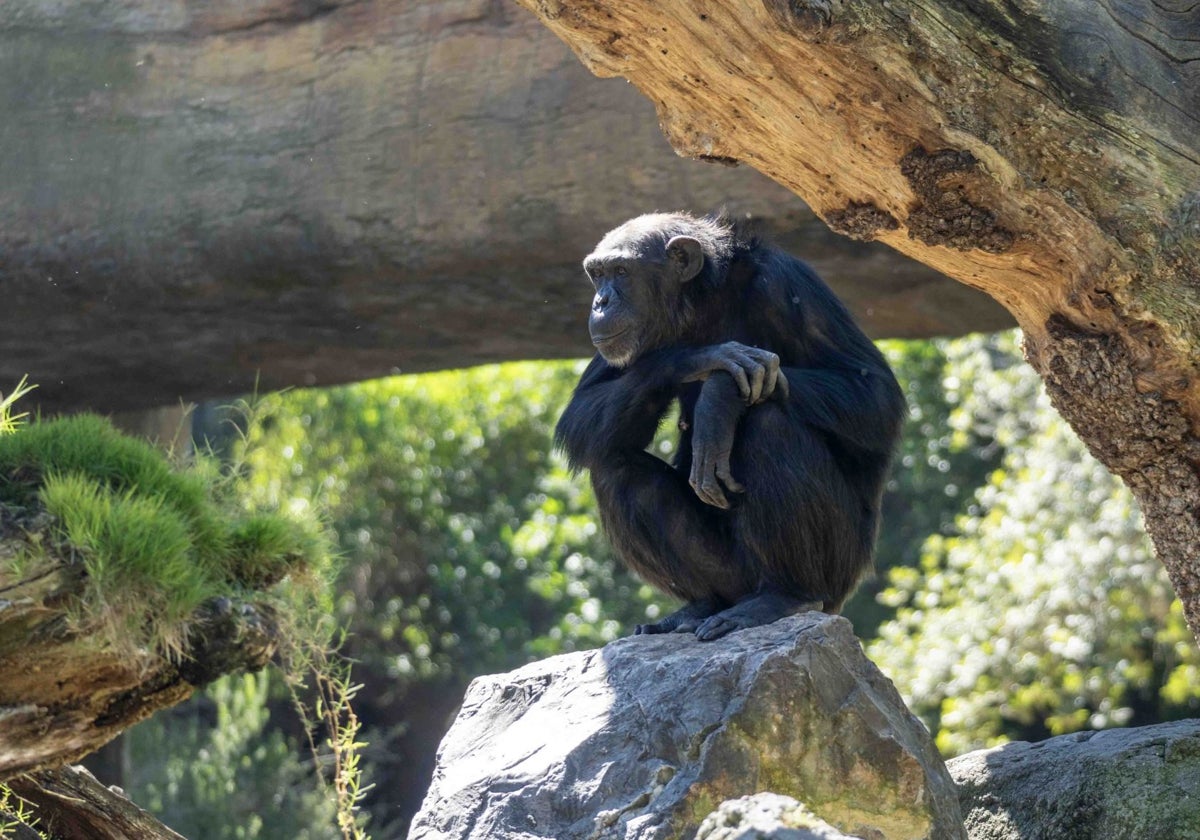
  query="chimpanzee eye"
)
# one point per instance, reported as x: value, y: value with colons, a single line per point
x: 620, y: 271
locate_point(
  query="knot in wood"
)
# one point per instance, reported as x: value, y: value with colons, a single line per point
x: 800, y: 15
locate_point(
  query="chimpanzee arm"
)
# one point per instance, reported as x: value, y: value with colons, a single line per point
x: 714, y: 424
x: 615, y: 409
x: 862, y: 406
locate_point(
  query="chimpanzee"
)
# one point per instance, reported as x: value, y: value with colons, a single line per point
x: 788, y: 419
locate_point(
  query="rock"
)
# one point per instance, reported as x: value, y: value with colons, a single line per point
x: 1112, y: 785
x: 646, y: 737
x: 766, y: 816
x: 195, y: 194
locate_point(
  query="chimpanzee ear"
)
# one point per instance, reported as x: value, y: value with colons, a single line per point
x: 685, y: 257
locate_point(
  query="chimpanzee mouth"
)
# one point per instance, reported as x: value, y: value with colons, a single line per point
x: 604, y: 339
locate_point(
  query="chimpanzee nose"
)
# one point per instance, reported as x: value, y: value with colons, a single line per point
x: 600, y: 301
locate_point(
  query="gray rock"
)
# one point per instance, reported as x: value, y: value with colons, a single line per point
x: 766, y: 816
x: 1120, y: 784
x: 645, y: 738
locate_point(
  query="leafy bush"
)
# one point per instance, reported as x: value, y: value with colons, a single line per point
x: 212, y: 769
x: 469, y: 546
x: 1045, y: 612
x: 471, y: 549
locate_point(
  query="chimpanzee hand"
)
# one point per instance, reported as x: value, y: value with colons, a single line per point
x: 714, y: 423
x: 755, y: 371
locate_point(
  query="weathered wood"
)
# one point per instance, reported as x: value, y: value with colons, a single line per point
x: 68, y: 690
x: 195, y: 196
x: 1046, y: 152
x: 71, y: 805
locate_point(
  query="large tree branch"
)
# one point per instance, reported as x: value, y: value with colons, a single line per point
x: 1045, y: 152
x: 67, y: 692
x: 70, y: 804
x: 195, y: 202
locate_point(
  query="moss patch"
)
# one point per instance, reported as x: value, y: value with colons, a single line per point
x: 155, y: 542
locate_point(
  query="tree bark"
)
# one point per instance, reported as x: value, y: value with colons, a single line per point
x: 1044, y: 151
x: 65, y: 693
x: 71, y: 805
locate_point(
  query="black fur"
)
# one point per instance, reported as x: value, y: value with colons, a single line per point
x: 809, y: 461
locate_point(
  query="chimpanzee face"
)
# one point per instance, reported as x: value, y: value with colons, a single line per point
x: 637, y: 280
x: 618, y: 320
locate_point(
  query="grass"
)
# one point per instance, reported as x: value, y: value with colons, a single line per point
x: 9, y: 422
x: 156, y: 542
x: 16, y: 815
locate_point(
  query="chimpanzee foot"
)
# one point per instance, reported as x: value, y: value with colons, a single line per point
x: 683, y: 620
x: 754, y: 612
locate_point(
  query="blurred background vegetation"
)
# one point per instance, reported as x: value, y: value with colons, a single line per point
x: 1016, y: 596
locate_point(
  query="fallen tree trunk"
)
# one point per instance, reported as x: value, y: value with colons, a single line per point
x: 65, y: 693
x: 72, y: 805
x: 1045, y: 152
x: 200, y: 201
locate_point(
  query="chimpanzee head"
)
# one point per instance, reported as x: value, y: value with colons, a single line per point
x: 647, y: 274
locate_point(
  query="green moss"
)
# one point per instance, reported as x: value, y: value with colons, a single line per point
x: 266, y: 547
x: 137, y: 550
x: 155, y: 542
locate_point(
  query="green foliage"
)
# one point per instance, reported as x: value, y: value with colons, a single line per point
x: 469, y: 546
x: 212, y: 769
x: 937, y: 467
x: 332, y: 711
x: 1045, y: 611
x: 90, y: 446
x: 266, y: 547
x: 1027, y: 600
x: 156, y: 542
